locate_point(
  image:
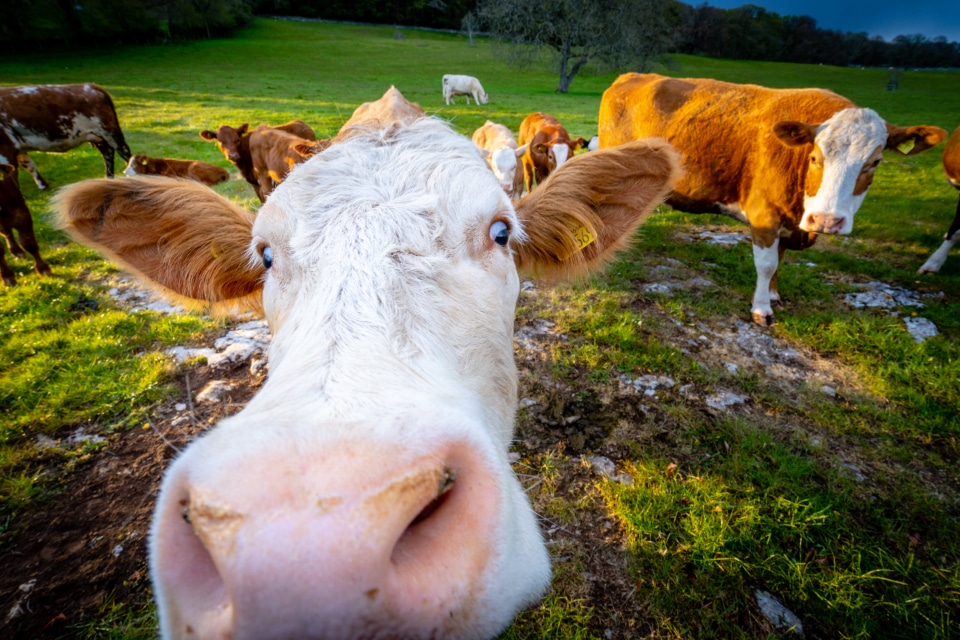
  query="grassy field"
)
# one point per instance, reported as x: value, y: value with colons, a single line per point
x: 844, y: 505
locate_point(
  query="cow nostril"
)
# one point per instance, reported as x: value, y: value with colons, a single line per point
x: 447, y: 479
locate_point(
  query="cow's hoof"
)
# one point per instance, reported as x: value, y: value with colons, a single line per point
x: 763, y: 319
x: 44, y: 270
x: 10, y: 281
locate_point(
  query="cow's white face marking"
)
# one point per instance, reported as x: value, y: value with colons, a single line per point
x: 391, y: 299
x: 561, y: 152
x: 851, y: 144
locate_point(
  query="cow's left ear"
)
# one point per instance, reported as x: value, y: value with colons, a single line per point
x: 793, y: 134
x: 522, y: 150
x: 7, y: 171
x: 912, y: 140
x: 579, y: 143
x: 588, y: 209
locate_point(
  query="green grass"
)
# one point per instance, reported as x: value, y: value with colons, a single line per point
x: 758, y: 500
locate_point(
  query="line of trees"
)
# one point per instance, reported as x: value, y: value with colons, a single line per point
x: 751, y: 32
x: 617, y: 33
x: 71, y: 23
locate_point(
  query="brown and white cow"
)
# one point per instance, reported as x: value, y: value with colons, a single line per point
x: 548, y: 146
x: 366, y: 490
x: 951, y: 167
x: 15, y: 216
x: 791, y: 163
x: 203, y: 172
x: 235, y: 145
x: 60, y: 117
x: 499, y: 148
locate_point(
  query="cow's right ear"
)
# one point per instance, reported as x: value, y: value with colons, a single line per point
x: 522, y: 150
x: 206, y: 134
x: 793, y: 134
x: 588, y: 209
x: 242, y: 129
x: 178, y: 235
x: 7, y: 171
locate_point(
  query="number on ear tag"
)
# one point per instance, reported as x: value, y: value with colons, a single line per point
x: 583, y: 237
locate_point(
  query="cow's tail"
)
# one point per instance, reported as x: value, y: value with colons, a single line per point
x: 118, y: 142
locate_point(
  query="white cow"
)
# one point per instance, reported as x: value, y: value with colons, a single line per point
x: 456, y: 85
x: 366, y: 490
x: 499, y: 148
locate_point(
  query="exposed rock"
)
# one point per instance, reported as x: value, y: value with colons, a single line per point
x: 778, y: 615
x: 920, y: 328
x: 213, y: 392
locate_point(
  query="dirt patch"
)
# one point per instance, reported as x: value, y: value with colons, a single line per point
x: 87, y: 544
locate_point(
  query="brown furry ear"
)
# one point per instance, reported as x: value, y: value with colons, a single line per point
x: 588, y: 209
x: 912, y: 140
x: 176, y: 234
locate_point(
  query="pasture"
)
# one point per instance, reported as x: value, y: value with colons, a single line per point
x: 814, y: 460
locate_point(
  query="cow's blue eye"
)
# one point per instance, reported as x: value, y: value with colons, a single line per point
x: 500, y: 233
x: 267, y: 257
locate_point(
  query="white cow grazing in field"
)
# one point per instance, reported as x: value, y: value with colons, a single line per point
x: 366, y: 490
x: 499, y: 148
x: 455, y: 85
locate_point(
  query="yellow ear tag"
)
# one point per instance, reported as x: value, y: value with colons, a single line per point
x: 143, y: 162
x: 906, y: 146
x: 583, y: 237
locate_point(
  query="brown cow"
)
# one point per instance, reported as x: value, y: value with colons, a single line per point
x: 235, y: 145
x: 208, y: 174
x: 790, y: 162
x: 59, y: 118
x: 549, y: 146
x: 951, y: 167
x: 14, y: 215
x: 274, y: 153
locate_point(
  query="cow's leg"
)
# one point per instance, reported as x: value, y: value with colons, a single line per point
x: 934, y: 262
x: 766, y: 259
x: 29, y: 241
x: 9, y: 278
x: 106, y: 150
x: 7, y: 232
x: 26, y: 162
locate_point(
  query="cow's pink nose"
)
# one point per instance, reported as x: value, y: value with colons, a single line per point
x: 825, y: 223
x: 359, y: 547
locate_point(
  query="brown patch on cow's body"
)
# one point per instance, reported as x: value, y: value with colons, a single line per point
x: 951, y: 158
x: 670, y: 95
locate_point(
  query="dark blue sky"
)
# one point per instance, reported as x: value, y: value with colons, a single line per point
x: 887, y: 18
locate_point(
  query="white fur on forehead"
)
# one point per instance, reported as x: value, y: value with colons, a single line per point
x: 852, y: 132
x: 423, y: 183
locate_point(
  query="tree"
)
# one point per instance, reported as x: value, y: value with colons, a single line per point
x: 618, y: 33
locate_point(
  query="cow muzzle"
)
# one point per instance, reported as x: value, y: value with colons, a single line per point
x: 824, y: 223
x: 326, y: 547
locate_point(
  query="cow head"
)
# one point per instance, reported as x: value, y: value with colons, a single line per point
x: 844, y: 153
x: 503, y: 162
x: 136, y: 164
x: 228, y: 139
x: 366, y: 490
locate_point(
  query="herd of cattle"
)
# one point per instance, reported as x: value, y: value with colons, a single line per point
x: 366, y: 491
x: 791, y: 163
